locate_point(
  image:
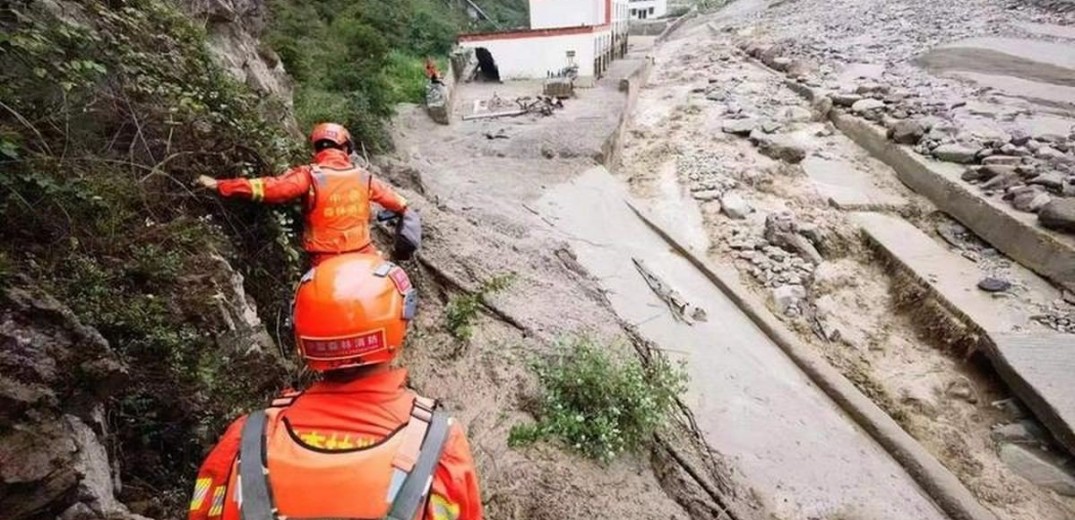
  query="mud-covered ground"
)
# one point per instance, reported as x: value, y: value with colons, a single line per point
x: 766, y: 171
x: 477, y: 195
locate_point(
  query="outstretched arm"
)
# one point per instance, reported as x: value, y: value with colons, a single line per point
x: 290, y: 185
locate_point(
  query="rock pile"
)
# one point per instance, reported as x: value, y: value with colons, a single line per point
x: 707, y: 175
x: 782, y: 259
x: 946, y: 120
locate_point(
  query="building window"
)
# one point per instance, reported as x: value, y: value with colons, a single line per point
x: 650, y: 10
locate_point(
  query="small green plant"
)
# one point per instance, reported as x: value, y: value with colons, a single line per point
x: 463, y: 308
x: 599, y: 403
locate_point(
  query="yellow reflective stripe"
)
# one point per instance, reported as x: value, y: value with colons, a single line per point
x: 443, y: 509
x: 257, y: 186
x: 201, y: 489
x: 218, y: 501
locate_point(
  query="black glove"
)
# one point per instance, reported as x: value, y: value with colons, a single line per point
x: 408, y: 235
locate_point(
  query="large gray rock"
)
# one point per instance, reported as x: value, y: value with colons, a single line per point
x: 955, y: 152
x: 787, y: 296
x: 782, y: 147
x: 1021, y: 432
x: 1005, y: 160
x: 795, y: 114
x: 845, y: 100
x: 733, y: 205
x: 1059, y: 214
x: 1031, y: 201
x: 866, y: 105
x: 907, y: 131
x: 1051, y: 180
x: 1038, y: 469
x: 438, y: 103
x: 781, y: 230
x: 739, y: 126
x: 820, y: 108
x: 1002, y: 181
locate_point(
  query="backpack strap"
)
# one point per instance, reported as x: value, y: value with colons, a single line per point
x: 256, y: 500
x: 426, y: 433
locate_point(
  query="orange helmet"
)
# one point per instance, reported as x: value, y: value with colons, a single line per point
x: 352, y: 310
x: 333, y: 133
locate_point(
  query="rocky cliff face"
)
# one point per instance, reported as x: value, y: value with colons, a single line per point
x: 55, y: 376
x: 123, y: 331
x: 234, y: 28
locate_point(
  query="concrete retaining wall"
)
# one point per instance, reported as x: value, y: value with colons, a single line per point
x: 1015, y: 234
x: 677, y: 24
x: 632, y: 85
x: 648, y: 27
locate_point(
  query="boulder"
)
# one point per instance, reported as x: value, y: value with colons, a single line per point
x: 782, y: 147
x: 1019, y: 137
x: 787, y: 296
x: 782, y: 231
x: 1031, y: 201
x: 1002, y: 181
x: 1038, y: 468
x: 1058, y: 214
x: 1021, y: 432
x: 735, y: 206
x: 990, y: 171
x: 795, y: 114
x: 821, y: 107
x: 1048, y: 152
x: 955, y: 152
x: 907, y: 131
x: 845, y: 100
x: 1006, y: 160
x: 739, y: 126
x: 993, y: 284
x: 1051, y: 180
x: 866, y: 105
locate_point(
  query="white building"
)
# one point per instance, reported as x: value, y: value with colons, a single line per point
x: 564, y: 35
x: 645, y: 9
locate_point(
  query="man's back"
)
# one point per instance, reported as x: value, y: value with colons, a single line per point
x: 346, y: 419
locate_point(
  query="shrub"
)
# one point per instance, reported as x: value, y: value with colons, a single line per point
x: 599, y: 403
x: 463, y: 309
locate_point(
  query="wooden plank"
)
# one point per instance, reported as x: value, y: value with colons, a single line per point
x: 1040, y: 369
x: 682, y: 310
x: 494, y: 114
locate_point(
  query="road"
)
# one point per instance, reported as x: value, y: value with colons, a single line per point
x: 802, y: 456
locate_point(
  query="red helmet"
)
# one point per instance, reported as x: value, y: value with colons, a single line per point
x: 352, y: 310
x: 331, y: 132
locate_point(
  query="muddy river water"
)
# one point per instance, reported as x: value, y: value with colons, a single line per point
x: 788, y: 441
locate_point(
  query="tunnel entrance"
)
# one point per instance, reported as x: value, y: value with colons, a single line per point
x: 487, y: 69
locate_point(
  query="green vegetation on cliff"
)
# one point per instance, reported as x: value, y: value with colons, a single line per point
x: 108, y: 111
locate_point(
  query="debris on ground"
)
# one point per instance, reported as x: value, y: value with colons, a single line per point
x: 497, y: 106
x: 682, y: 310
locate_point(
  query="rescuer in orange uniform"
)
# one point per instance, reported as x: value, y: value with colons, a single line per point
x: 336, y: 198
x: 356, y: 444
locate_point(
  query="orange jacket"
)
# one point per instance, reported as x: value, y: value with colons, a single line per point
x: 332, y: 226
x: 346, y: 415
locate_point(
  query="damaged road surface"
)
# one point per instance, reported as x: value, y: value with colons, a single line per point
x: 791, y: 445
